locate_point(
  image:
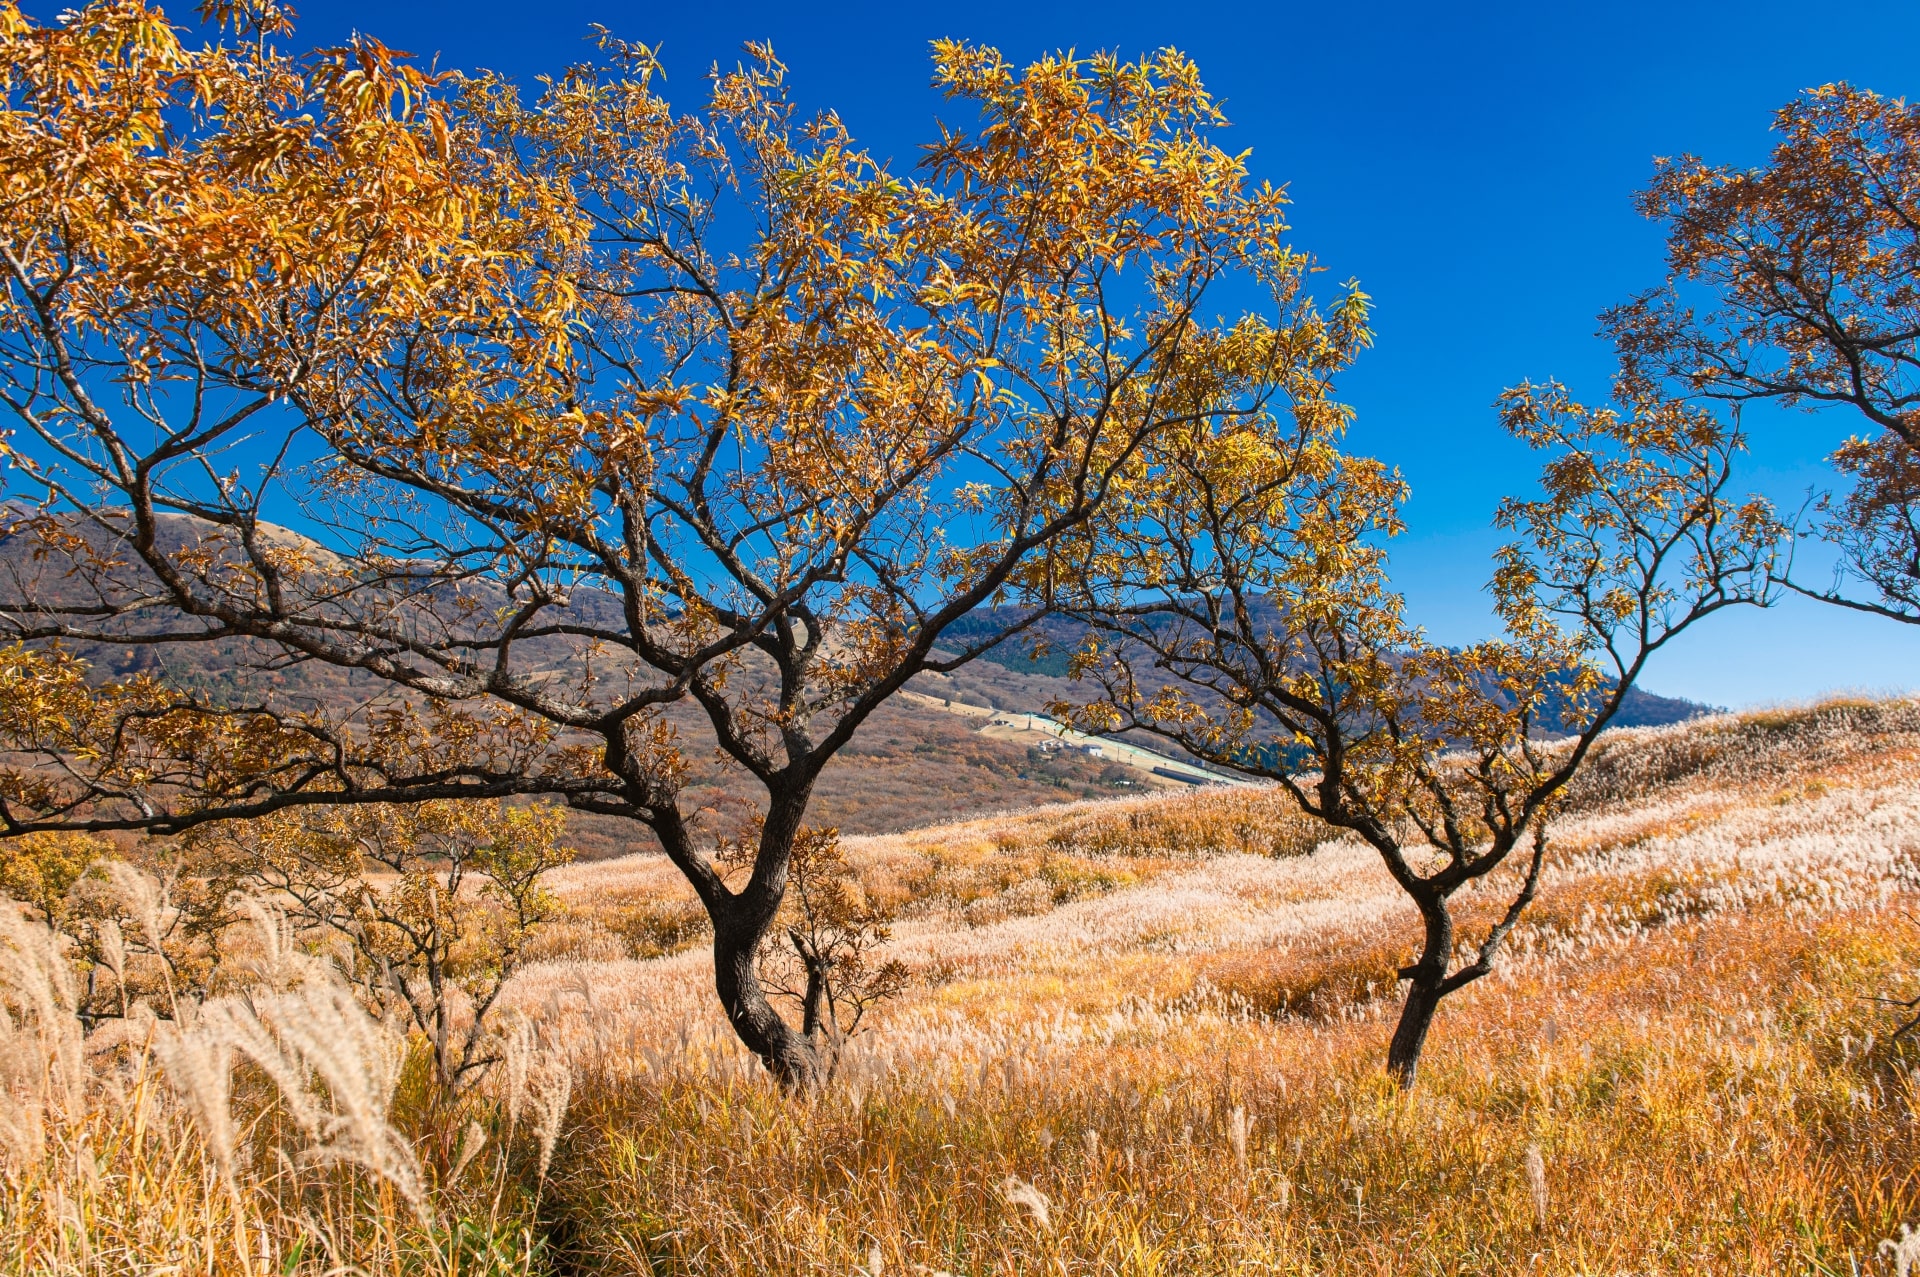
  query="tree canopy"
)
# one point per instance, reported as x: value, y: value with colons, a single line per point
x: 535, y: 414
x: 1796, y: 282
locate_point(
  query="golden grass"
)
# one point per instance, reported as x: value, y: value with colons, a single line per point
x: 1704, y: 1102
x: 126, y: 1185
x: 977, y: 872
x: 1145, y: 1037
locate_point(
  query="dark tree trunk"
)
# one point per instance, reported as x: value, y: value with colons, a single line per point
x: 1427, y: 985
x: 740, y: 923
x: 790, y: 1056
x: 1410, y: 1035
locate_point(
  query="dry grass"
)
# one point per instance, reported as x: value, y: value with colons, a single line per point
x: 974, y: 873
x: 280, y: 1130
x: 1686, y: 1124
x: 1145, y: 1038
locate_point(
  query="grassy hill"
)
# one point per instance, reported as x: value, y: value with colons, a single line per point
x: 1176, y: 1040
x: 1140, y: 1036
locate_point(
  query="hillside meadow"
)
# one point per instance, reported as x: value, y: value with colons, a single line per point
x: 1140, y: 1036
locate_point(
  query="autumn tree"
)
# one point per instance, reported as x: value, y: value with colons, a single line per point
x: 1240, y: 606
x: 40, y: 871
x: 611, y: 433
x: 1799, y: 282
x: 822, y: 954
x: 427, y: 907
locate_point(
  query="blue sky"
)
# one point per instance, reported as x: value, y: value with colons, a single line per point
x: 1472, y: 166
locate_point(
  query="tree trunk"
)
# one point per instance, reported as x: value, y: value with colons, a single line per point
x: 1427, y: 985
x: 1410, y: 1035
x: 741, y: 921
x: 790, y: 1056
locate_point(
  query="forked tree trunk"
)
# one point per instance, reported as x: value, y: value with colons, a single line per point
x: 1426, y: 986
x: 790, y: 1056
x: 741, y: 921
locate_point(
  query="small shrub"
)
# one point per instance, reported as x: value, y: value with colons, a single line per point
x: 654, y: 928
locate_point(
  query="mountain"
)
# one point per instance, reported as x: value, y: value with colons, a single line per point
x: 910, y: 765
x: 915, y: 762
x: 1642, y: 708
x: 1018, y: 673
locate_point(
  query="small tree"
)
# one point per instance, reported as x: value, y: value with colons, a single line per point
x: 40, y: 870
x: 1241, y: 608
x: 617, y: 432
x: 429, y: 906
x: 1799, y: 281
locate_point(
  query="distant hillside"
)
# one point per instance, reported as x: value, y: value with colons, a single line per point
x: 910, y: 765
x: 1023, y: 677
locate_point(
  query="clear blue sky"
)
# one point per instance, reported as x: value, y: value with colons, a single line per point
x: 1473, y: 166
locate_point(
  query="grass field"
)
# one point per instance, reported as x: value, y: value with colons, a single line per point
x: 1144, y: 1036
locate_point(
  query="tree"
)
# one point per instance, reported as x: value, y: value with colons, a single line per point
x: 612, y: 433
x: 1807, y: 274
x: 433, y: 903
x: 40, y: 870
x: 1240, y: 607
x: 827, y: 969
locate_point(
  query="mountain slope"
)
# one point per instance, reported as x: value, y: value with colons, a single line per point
x: 1019, y: 676
x: 912, y: 764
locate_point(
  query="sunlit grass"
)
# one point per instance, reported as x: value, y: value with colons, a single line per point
x: 1718, y: 1099
x: 1150, y: 1057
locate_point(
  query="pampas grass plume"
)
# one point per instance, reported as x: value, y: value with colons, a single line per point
x: 1537, y: 1184
x: 1019, y: 1192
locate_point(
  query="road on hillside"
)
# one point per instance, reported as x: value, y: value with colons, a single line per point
x: 1007, y: 724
